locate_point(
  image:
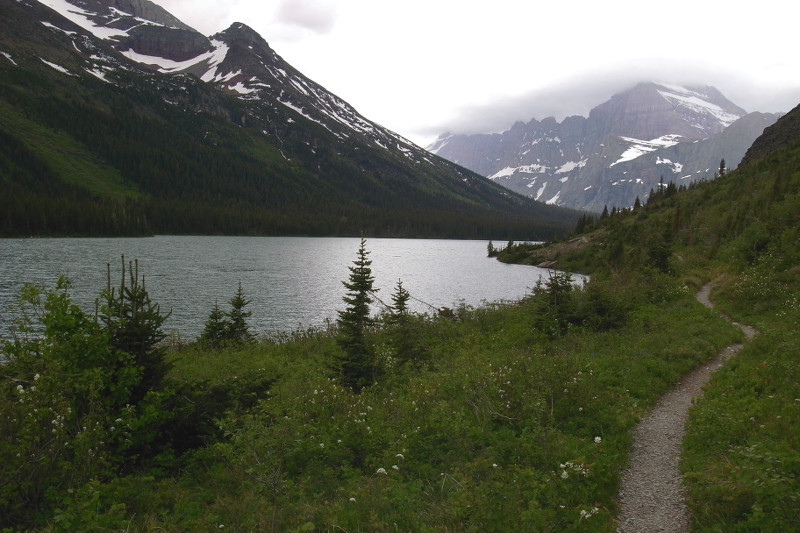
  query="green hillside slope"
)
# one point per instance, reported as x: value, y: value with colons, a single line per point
x: 742, y: 233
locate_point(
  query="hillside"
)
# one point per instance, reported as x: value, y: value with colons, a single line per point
x: 621, y: 151
x: 117, y: 118
x: 741, y: 233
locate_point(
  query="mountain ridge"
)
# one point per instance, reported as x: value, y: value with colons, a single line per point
x: 229, y: 128
x: 597, y: 161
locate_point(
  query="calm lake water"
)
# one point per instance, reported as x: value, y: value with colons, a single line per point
x: 293, y: 282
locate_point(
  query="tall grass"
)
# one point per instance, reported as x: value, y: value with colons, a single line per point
x: 502, y: 427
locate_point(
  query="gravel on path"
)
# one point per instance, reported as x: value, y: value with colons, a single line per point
x: 652, y: 497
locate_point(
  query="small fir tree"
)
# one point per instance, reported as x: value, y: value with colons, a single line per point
x: 356, y: 363
x: 216, y: 329
x: 401, y: 335
x: 228, y: 328
x: 238, y: 331
x: 133, y: 323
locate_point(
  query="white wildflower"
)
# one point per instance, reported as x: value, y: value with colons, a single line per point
x: 381, y: 471
x: 598, y: 440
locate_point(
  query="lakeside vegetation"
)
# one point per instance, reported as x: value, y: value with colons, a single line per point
x: 741, y: 232
x: 497, y: 418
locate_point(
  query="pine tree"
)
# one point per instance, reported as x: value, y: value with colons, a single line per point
x: 238, y: 331
x: 216, y: 330
x: 400, y: 300
x: 356, y: 363
x: 133, y: 323
x: 401, y: 335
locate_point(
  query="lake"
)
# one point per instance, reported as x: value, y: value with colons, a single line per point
x: 293, y: 282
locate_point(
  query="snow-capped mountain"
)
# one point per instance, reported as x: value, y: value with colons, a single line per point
x: 168, y: 118
x: 622, y: 150
x: 237, y: 60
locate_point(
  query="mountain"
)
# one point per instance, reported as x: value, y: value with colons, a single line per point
x: 619, y: 152
x: 784, y: 133
x: 117, y: 118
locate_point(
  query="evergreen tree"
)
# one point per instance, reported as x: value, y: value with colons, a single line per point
x: 216, y: 330
x: 585, y: 222
x: 356, y: 364
x: 554, y: 304
x: 238, y: 330
x: 401, y: 335
x: 133, y: 323
x: 400, y: 300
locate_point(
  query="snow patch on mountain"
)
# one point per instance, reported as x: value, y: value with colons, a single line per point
x: 165, y: 65
x: 524, y: 169
x: 214, y: 58
x: 8, y: 56
x: 676, y: 167
x: 697, y: 103
x: 639, y: 147
x: 81, y: 18
x: 54, y: 27
x: 57, y: 67
x: 569, y: 166
x: 540, y: 192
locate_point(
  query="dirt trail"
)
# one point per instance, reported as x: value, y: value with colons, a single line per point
x: 652, y: 497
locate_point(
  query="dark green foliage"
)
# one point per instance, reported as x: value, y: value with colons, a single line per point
x: 230, y: 327
x: 555, y: 305
x: 81, y: 396
x: 215, y: 331
x: 356, y: 365
x: 133, y: 323
x: 238, y: 330
x: 402, y: 328
x: 585, y: 222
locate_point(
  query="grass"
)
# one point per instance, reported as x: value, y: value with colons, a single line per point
x: 80, y: 168
x: 501, y: 428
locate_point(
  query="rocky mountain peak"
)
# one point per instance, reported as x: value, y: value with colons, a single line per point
x: 241, y: 33
x: 620, y: 151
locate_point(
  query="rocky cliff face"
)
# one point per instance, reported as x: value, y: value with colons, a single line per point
x: 620, y: 151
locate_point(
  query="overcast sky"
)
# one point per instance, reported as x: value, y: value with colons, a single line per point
x: 423, y: 67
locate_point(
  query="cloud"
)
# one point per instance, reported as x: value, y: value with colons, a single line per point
x: 578, y: 94
x: 316, y: 16
x: 206, y: 16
